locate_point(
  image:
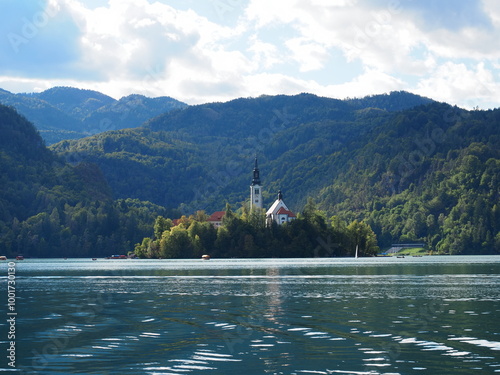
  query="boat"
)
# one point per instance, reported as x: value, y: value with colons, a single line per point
x: 94, y: 258
x: 205, y: 257
x: 3, y: 257
x: 19, y: 257
x: 117, y: 257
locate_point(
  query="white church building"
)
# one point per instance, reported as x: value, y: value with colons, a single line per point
x: 278, y: 212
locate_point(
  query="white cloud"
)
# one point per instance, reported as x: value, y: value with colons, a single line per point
x: 456, y: 83
x: 492, y: 9
x: 369, y: 82
x: 264, y: 55
x: 334, y: 48
x: 265, y: 13
x: 308, y: 54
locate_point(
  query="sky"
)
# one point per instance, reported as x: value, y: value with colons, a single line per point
x: 200, y: 51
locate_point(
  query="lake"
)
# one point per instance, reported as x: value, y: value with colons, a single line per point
x: 428, y: 315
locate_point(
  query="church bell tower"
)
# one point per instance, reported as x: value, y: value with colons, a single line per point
x: 255, y: 188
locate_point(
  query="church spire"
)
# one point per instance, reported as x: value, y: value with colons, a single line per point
x: 255, y: 188
x: 256, y: 176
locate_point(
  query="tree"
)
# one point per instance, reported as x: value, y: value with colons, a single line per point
x: 362, y: 235
x: 161, y: 225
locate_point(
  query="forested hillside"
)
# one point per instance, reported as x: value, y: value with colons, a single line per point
x: 204, y: 154
x: 68, y: 113
x: 410, y: 168
x: 49, y: 208
x: 432, y: 174
x: 414, y: 169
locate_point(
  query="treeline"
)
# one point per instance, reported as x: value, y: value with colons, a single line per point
x: 455, y: 210
x: 428, y: 173
x: 84, y: 230
x: 246, y: 235
x: 438, y: 184
x: 50, y: 209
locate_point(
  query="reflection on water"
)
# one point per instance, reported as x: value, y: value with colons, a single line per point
x: 436, y: 315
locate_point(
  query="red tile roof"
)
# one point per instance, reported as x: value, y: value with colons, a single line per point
x: 217, y: 216
x: 283, y: 211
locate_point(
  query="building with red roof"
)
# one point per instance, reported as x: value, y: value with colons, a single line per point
x: 279, y: 212
x: 216, y: 218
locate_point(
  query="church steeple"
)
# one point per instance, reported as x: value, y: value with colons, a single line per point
x: 256, y: 177
x: 255, y: 188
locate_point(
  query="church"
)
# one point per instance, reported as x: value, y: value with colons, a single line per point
x: 278, y: 212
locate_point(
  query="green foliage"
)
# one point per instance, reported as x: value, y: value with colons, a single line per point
x: 428, y: 173
x: 409, y: 168
x: 245, y: 236
x: 69, y: 113
x: 362, y: 236
x: 48, y: 208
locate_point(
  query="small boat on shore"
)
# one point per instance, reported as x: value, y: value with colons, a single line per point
x: 3, y: 257
x: 117, y: 257
x: 19, y: 257
x: 205, y: 257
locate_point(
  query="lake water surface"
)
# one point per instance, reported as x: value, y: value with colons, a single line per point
x: 429, y: 315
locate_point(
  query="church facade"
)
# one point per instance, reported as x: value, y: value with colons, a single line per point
x: 278, y: 212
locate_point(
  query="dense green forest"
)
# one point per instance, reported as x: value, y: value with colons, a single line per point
x: 414, y: 169
x: 406, y: 167
x: 49, y: 208
x: 69, y: 113
x: 246, y: 234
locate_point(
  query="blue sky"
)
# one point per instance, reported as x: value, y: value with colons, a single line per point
x: 201, y: 51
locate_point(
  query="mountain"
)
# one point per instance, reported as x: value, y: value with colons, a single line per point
x: 69, y: 113
x: 412, y: 168
x: 52, y: 123
x: 77, y: 103
x: 129, y: 112
x: 199, y: 156
x: 394, y: 101
x: 49, y: 208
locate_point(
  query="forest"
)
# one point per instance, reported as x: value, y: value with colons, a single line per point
x: 409, y: 168
x: 246, y: 234
x: 69, y: 113
x: 51, y: 209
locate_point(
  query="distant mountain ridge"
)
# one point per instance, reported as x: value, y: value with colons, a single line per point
x: 188, y: 144
x: 69, y: 113
x: 413, y: 168
x: 77, y: 103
